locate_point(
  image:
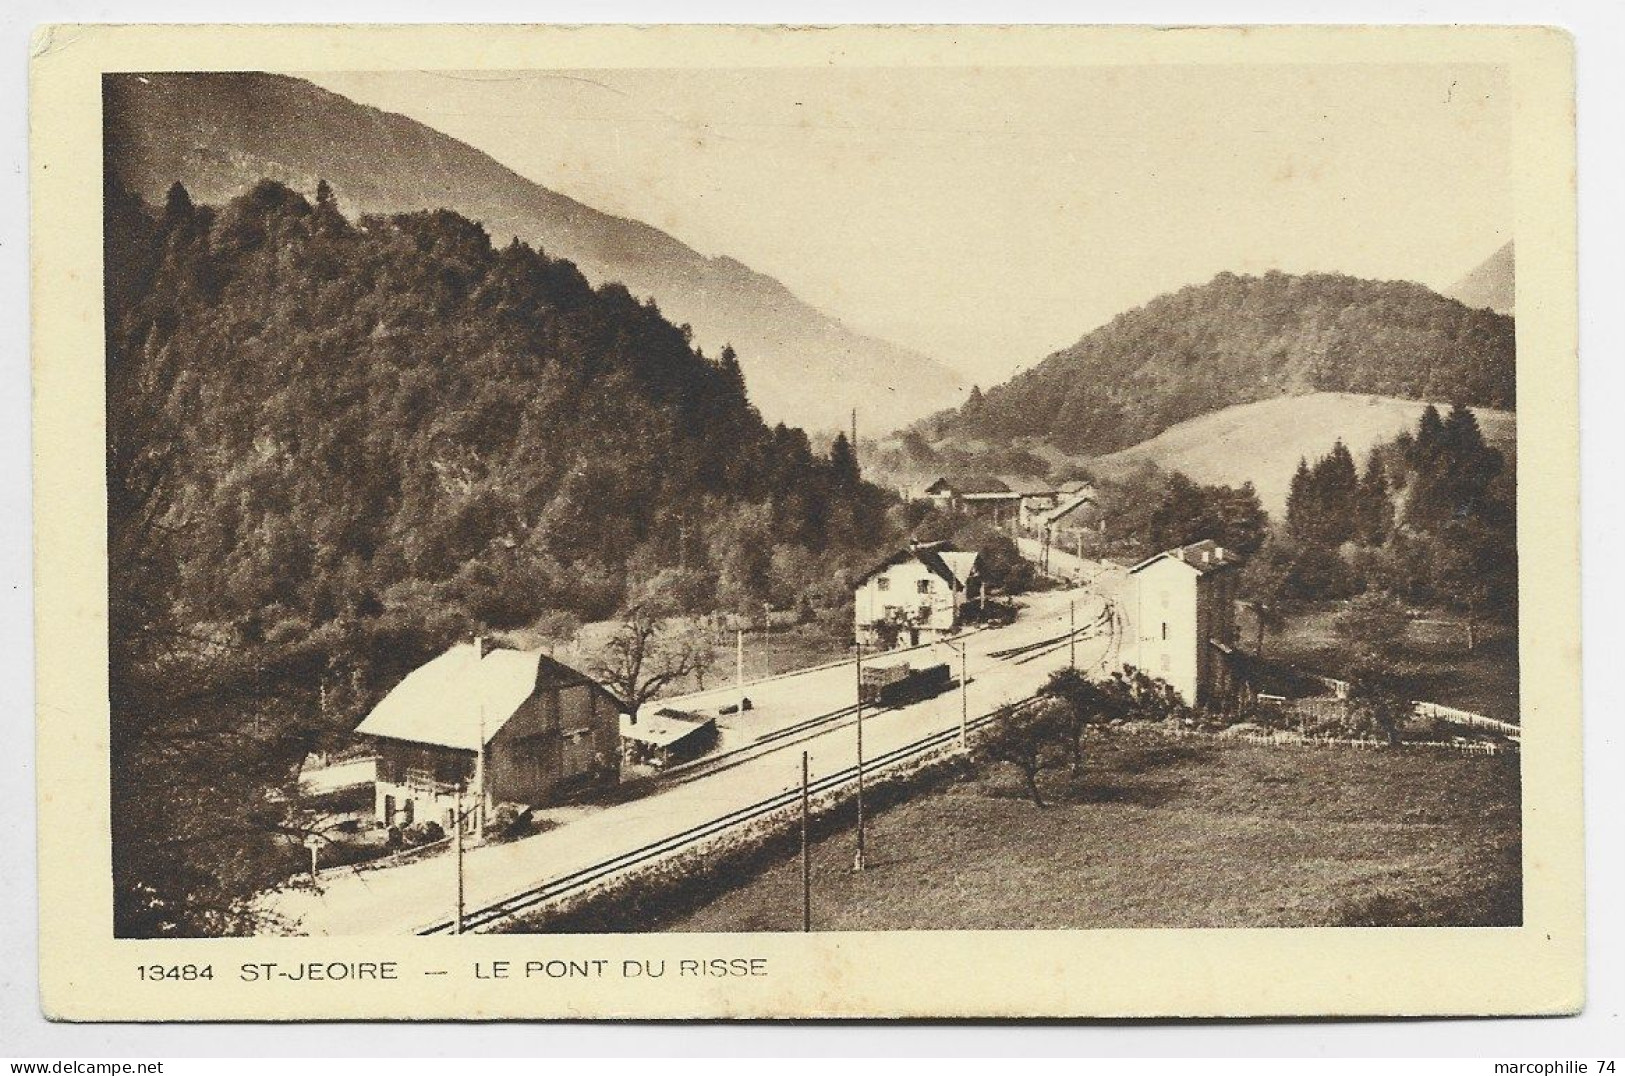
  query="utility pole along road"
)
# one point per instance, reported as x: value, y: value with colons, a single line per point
x: 411, y: 897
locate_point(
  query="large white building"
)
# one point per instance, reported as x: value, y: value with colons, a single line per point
x: 916, y: 595
x: 1185, y: 620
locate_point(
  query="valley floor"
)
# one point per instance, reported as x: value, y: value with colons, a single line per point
x: 1161, y: 833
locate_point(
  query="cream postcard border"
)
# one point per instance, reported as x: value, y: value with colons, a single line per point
x: 86, y: 974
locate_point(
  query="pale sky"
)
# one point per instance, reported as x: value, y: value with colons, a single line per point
x: 988, y: 216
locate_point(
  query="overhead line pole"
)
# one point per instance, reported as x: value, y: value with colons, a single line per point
x: 806, y: 850
x: 857, y: 860
x: 457, y: 846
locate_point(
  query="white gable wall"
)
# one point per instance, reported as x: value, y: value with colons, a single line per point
x: 1167, y: 624
x: 899, y: 587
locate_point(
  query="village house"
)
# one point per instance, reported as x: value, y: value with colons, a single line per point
x: 499, y: 726
x: 983, y: 496
x: 1076, y: 514
x: 916, y: 595
x: 1067, y: 505
x: 1185, y: 620
x: 1005, y: 501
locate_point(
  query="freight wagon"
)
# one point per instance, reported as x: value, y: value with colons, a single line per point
x: 895, y: 685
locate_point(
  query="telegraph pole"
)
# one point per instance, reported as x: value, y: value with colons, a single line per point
x: 1072, y: 636
x: 479, y: 781
x: 739, y: 666
x: 479, y: 763
x: 964, y: 699
x: 806, y: 852
x: 457, y: 852
x: 857, y: 861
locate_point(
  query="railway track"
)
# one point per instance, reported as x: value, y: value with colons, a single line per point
x: 1021, y: 655
x: 771, y: 741
x: 579, y: 880
x: 587, y: 877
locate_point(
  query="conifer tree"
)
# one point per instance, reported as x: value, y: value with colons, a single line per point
x: 1375, y: 511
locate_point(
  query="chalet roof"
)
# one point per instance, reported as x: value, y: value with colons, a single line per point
x: 1204, y: 557
x: 664, y: 727
x: 451, y: 699
x: 953, y: 566
x: 962, y: 565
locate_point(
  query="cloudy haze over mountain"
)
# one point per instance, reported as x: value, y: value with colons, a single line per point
x: 930, y: 213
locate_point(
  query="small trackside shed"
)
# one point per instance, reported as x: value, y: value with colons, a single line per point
x: 505, y: 726
x: 667, y: 737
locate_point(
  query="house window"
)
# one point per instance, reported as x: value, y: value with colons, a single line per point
x: 1164, y: 631
x: 882, y: 583
x: 925, y: 586
x: 1165, y: 662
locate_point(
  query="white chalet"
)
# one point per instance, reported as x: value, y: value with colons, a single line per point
x: 916, y: 595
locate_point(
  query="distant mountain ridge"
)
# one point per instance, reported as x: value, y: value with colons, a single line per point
x: 1493, y: 285
x: 1241, y: 339
x: 220, y: 133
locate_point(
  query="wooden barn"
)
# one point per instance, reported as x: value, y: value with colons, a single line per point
x: 504, y: 726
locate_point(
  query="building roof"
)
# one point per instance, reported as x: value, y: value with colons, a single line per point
x: 973, y: 485
x: 1204, y: 557
x: 962, y: 565
x: 450, y: 700
x: 664, y: 727
x: 941, y: 559
x: 1068, y: 506
x: 1027, y: 487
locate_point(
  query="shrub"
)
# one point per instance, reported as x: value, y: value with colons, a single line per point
x: 509, y: 822
x: 421, y: 833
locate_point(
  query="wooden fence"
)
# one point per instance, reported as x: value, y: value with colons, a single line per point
x: 1297, y: 739
x: 1329, y: 707
x: 1466, y: 717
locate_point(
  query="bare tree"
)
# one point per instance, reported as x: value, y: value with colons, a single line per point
x: 647, y: 654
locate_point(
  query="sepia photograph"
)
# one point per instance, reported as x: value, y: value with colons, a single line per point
x: 774, y: 498
x: 485, y: 557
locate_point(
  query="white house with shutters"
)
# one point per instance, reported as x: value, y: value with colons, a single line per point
x: 916, y: 595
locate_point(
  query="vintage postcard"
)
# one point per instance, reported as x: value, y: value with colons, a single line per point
x: 747, y: 522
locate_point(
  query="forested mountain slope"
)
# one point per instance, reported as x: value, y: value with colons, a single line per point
x: 220, y: 133
x: 361, y: 409
x: 1240, y: 339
